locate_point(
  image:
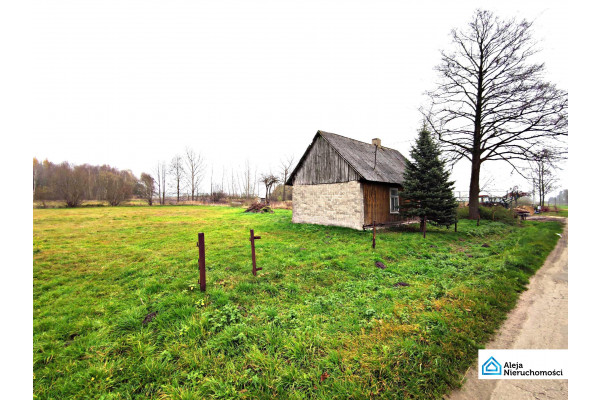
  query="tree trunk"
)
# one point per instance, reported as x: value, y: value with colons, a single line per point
x: 476, y: 151
x: 474, y: 189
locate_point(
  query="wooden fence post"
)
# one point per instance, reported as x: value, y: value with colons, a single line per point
x: 373, y: 234
x: 252, y: 239
x: 201, y: 262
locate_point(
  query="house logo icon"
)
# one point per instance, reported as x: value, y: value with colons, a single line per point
x: 491, y: 367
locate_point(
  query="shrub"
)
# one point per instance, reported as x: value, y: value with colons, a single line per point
x: 218, y: 197
x: 490, y: 213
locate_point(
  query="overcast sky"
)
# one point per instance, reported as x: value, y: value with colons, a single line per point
x: 132, y: 83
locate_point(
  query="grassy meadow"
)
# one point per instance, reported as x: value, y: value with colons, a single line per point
x: 320, y: 320
x: 562, y: 211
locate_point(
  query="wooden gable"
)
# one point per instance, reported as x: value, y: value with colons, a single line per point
x: 323, y: 164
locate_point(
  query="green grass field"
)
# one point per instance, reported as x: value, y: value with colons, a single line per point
x: 319, y: 321
x: 563, y: 211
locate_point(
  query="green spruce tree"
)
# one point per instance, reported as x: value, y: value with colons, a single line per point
x: 428, y: 193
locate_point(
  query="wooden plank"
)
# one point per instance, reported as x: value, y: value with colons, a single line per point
x: 377, y: 203
x: 324, y: 165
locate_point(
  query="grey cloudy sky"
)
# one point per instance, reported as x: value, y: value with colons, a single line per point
x: 132, y: 83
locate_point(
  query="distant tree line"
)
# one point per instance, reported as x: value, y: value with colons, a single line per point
x: 176, y: 181
x: 76, y: 183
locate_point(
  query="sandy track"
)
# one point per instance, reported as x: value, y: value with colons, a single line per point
x: 539, y: 321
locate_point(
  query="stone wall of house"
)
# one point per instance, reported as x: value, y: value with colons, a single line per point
x: 339, y: 204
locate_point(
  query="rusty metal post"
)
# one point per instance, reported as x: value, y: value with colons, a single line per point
x: 373, y: 234
x: 201, y: 262
x: 252, y: 239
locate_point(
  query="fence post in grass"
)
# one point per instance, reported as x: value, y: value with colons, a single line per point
x: 478, y: 217
x: 252, y: 239
x: 455, y: 226
x: 373, y: 233
x: 201, y: 262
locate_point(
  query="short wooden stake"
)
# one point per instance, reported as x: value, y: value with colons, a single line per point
x: 252, y: 239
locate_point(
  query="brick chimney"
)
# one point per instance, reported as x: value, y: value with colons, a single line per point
x: 376, y: 142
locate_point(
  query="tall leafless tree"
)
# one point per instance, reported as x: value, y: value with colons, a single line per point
x: 36, y: 168
x: 212, y: 174
x: 176, y: 170
x: 223, y: 187
x: 248, y: 183
x: 194, y: 168
x: 542, y: 168
x: 286, y: 167
x: 491, y: 102
x: 232, y: 190
x: 161, y: 180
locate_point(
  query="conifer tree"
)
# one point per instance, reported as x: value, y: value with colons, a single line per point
x: 427, y: 189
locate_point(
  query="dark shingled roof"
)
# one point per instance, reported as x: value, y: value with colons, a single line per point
x: 361, y: 156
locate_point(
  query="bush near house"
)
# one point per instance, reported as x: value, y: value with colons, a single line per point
x: 118, y: 314
x: 496, y: 213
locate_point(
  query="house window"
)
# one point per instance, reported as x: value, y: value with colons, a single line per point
x: 394, y: 201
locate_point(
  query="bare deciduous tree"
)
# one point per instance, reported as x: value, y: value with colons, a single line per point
x: 43, y: 182
x: 232, y: 190
x: 147, y: 187
x: 194, y: 168
x: 541, y: 170
x: 491, y: 102
x: 286, y: 166
x: 36, y: 168
x: 212, y: 174
x: 161, y: 180
x: 117, y: 185
x: 177, y: 172
x: 248, y: 190
x: 69, y: 183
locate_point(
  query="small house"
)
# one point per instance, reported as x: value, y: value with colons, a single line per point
x: 344, y: 182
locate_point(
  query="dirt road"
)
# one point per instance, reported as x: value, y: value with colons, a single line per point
x: 539, y: 321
